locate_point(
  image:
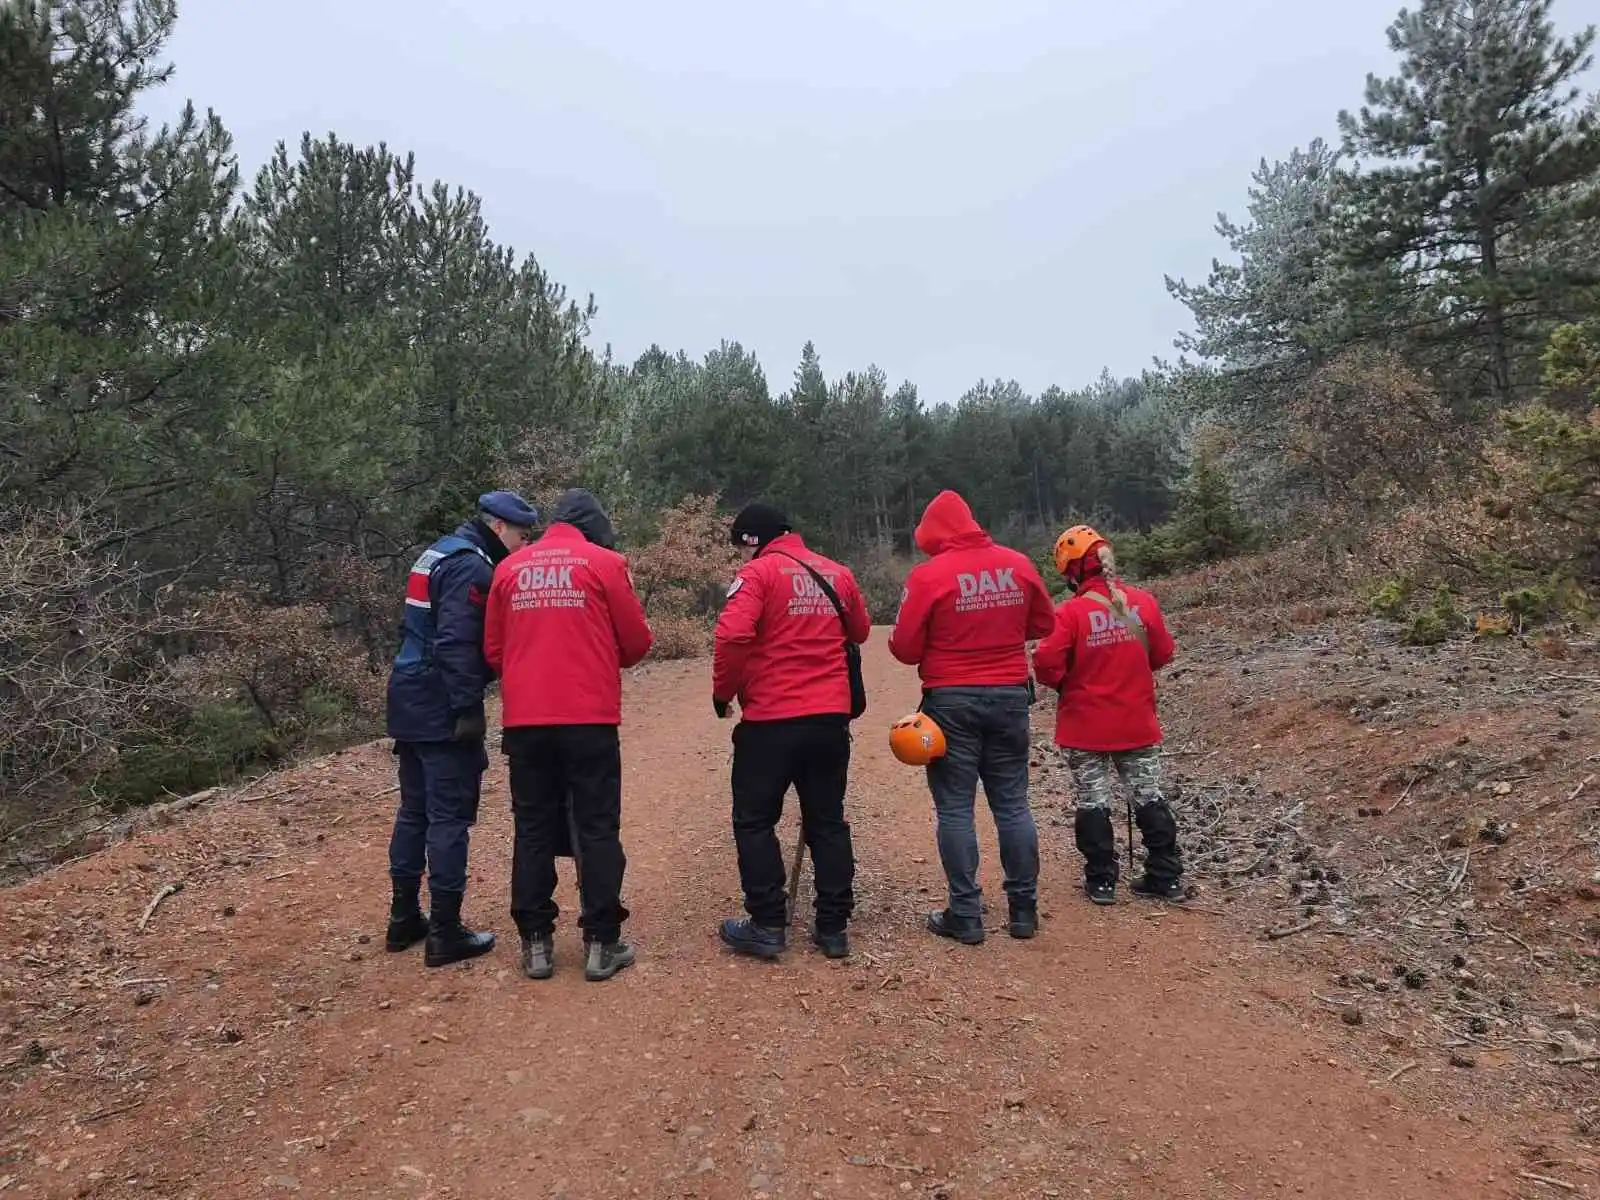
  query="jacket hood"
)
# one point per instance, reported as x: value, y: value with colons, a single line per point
x: 579, y: 508
x: 947, y: 519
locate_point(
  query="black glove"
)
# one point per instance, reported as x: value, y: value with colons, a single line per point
x: 721, y: 707
x: 471, y: 727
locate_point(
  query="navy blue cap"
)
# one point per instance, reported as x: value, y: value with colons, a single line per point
x: 510, y: 508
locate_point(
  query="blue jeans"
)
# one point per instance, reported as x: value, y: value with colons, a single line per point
x: 986, y: 735
x: 439, y: 790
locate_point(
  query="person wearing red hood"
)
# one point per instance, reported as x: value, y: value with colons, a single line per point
x: 965, y: 619
x: 783, y: 650
x: 563, y: 622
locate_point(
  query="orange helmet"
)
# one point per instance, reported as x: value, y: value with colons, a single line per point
x: 1072, y: 545
x: 916, y: 740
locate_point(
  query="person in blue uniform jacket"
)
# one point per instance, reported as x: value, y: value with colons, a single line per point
x: 436, y: 718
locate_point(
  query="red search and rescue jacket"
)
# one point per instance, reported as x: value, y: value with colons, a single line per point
x: 780, y: 644
x: 967, y: 613
x: 563, y: 621
x: 1105, y: 676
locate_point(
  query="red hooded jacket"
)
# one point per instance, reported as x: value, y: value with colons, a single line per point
x: 968, y: 612
x: 1105, y: 677
x: 563, y: 621
x: 780, y: 644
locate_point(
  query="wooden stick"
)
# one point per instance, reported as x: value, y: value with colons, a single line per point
x: 1405, y: 793
x: 132, y: 982
x: 110, y: 1112
x: 1545, y: 1179
x: 171, y: 889
x: 272, y: 795
x: 1579, y: 1060
x: 1513, y: 937
x: 1401, y: 1070
x: 1290, y: 931
x: 1567, y: 799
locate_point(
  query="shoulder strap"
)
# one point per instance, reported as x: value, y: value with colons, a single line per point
x: 452, y: 544
x: 1134, y: 623
x: 827, y: 588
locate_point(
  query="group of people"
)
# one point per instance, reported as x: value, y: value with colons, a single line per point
x: 556, y: 619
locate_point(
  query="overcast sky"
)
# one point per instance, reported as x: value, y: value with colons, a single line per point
x: 953, y: 189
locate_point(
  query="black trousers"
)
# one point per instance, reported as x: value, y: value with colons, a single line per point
x: 572, y: 774
x: 813, y: 754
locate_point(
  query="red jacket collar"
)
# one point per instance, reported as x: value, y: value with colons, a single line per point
x: 785, y: 543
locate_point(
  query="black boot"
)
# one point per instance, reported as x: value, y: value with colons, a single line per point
x: 1097, y: 842
x: 1163, y: 864
x: 1024, y: 921
x: 746, y: 937
x: 408, y: 924
x: 834, y: 943
x: 448, y: 939
x: 966, y: 930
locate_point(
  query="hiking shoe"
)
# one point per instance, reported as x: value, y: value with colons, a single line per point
x: 746, y: 937
x: 1024, y: 921
x: 966, y: 930
x: 1101, y: 891
x: 835, y: 944
x: 606, y: 959
x: 1171, y: 890
x: 539, y: 956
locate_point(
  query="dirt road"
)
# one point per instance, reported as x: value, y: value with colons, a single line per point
x: 255, y: 1040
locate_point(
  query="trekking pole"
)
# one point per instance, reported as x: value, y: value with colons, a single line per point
x: 1130, y: 836
x: 794, y: 875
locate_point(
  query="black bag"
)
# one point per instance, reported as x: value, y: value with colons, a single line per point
x: 852, y: 652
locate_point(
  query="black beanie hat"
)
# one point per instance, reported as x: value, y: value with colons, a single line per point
x: 757, y: 524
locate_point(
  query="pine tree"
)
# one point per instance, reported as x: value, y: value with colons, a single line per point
x: 1477, y: 140
x: 116, y: 273
x: 1268, y: 318
x: 1206, y: 523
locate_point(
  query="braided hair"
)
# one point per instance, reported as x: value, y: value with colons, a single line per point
x: 1106, y: 566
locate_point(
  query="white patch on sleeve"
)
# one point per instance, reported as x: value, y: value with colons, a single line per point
x: 733, y: 588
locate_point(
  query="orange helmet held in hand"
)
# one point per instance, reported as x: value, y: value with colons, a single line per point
x: 1072, y: 545
x: 916, y: 740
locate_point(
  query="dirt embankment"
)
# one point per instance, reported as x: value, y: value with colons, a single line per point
x: 250, y: 1037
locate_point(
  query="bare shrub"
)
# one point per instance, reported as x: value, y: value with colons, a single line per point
x: 1366, y: 436
x: 679, y: 635
x: 81, y: 668
x: 1300, y: 573
x: 286, y: 664
x: 362, y: 599
x: 109, y: 681
x: 1531, y: 510
x: 881, y: 575
x: 538, y: 466
x: 686, y: 570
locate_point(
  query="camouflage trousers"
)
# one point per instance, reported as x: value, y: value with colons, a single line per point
x: 1095, y: 776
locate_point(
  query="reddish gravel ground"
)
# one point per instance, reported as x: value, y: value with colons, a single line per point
x: 255, y: 1040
